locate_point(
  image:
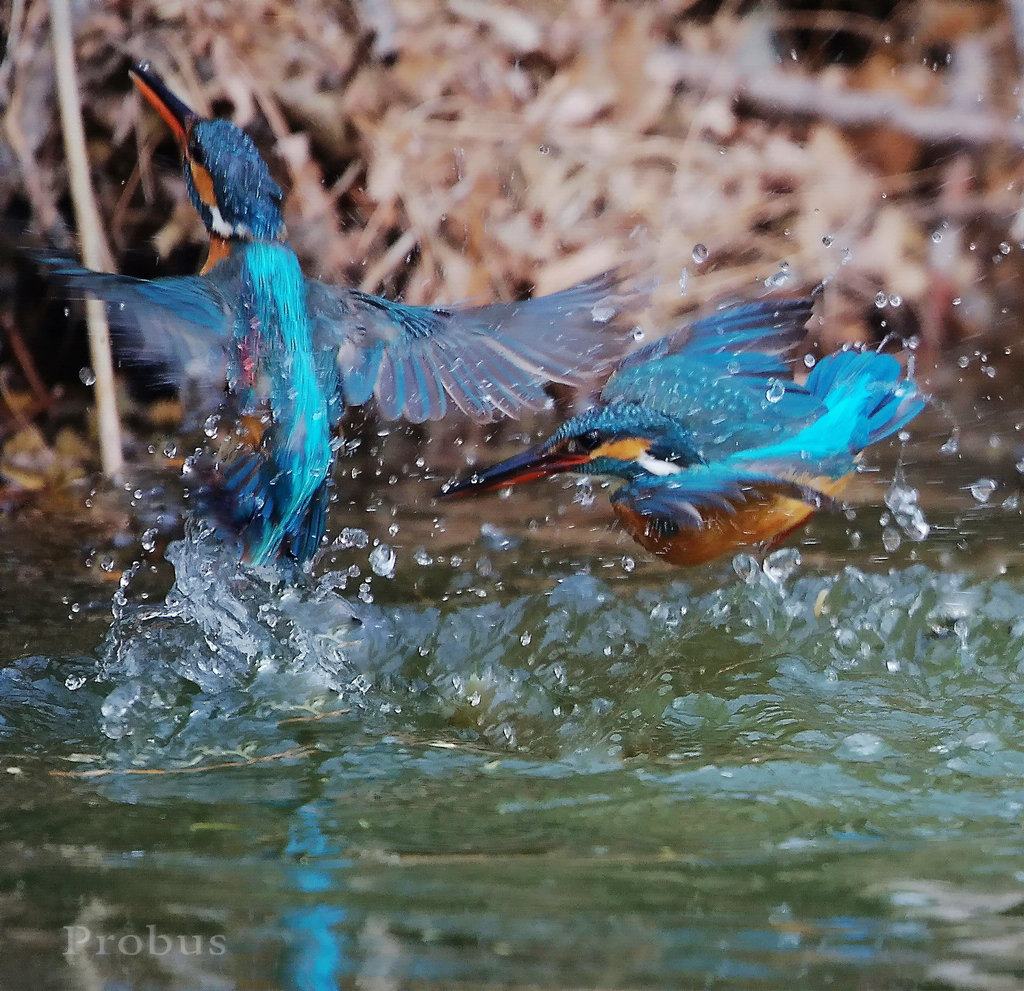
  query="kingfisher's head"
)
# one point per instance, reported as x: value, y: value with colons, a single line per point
x: 626, y: 440
x: 227, y: 179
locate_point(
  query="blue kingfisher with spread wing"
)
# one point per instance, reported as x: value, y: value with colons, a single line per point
x: 294, y: 352
x: 719, y: 448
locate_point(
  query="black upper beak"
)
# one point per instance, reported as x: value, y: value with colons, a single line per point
x: 179, y: 116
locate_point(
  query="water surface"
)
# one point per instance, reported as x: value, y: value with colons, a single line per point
x: 492, y: 744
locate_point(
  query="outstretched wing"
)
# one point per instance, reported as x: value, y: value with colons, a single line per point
x: 725, y: 376
x: 762, y: 330
x: 178, y: 327
x: 488, y: 361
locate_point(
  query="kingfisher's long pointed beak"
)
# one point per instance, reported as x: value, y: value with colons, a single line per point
x: 525, y: 467
x: 178, y: 116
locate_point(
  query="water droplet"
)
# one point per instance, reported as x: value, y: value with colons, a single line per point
x: 584, y: 493
x: 880, y: 300
x: 526, y: 639
x: 828, y: 240
x: 170, y: 449
x: 149, y: 539
x: 936, y: 237
x: 628, y: 564
x: 422, y: 558
x: 684, y: 278
x: 780, y: 565
x: 700, y: 254
x: 602, y: 312
x: 902, y: 501
x: 382, y: 560
x: 494, y: 538
x: 545, y: 149
x: 891, y: 539
x: 107, y: 564
x: 952, y: 446
x: 73, y: 682
x: 747, y: 569
x: 211, y: 424
x: 983, y: 488
x: 862, y: 746
x: 87, y: 376
x: 776, y: 390
x: 895, y: 300
x: 352, y: 537
x: 810, y: 361
x: 780, y: 278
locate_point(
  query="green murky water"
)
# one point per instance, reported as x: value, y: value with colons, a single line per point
x: 526, y: 757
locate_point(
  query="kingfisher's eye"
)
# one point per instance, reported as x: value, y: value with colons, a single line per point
x: 590, y: 440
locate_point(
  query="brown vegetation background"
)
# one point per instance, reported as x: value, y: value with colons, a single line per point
x: 482, y: 149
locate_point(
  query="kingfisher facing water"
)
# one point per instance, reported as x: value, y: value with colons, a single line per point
x: 718, y: 446
x: 293, y: 352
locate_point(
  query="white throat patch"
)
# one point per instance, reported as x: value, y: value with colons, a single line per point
x: 656, y: 466
x: 219, y: 224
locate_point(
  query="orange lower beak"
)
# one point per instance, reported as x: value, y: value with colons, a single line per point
x: 178, y: 116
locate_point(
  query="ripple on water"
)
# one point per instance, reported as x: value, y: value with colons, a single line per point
x: 856, y: 685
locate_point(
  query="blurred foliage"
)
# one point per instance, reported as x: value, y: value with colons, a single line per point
x: 481, y: 149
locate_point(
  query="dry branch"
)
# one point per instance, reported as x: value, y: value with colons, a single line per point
x: 790, y: 93
x: 95, y: 252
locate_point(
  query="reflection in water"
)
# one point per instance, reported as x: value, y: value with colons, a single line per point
x: 316, y: 956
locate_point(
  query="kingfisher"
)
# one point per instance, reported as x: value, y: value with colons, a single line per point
x: 717, y: 444
x: 294, y: 352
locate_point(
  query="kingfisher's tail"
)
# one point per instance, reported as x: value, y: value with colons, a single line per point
x: 267, y: 506
x: 864, y: 398
x: 870, y: 388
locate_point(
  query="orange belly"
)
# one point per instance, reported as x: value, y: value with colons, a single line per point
x: 770, y: 518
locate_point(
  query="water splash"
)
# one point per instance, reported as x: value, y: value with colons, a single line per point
x: 908, y: 515
x: 222, y: 631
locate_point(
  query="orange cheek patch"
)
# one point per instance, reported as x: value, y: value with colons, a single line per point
x: 203, y: 183
x: 628, y: 449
